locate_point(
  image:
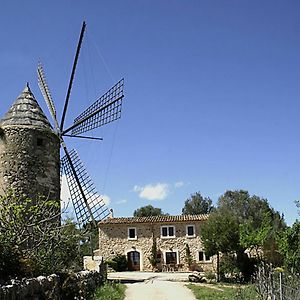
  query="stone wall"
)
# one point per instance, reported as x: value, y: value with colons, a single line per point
x: 113, y: 239
x: 94, y: 263
x: 54, y: 287
x: 29, y: 162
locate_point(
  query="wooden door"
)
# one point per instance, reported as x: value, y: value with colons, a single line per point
x: 133, y: 258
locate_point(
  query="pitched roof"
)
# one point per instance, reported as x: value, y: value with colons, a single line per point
x: 25, y: 111
x: 154, y: 219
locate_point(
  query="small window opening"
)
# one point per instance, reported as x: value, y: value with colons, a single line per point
x: 132, y: 234
x: 40, y: 142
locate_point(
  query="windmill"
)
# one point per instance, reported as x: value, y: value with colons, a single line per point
x: 87, y: 203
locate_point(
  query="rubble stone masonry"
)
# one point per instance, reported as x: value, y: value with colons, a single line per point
x: 29, y: 162
x: 29, y: 150
x: 114, y: 239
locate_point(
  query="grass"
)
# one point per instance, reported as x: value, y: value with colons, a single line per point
x: 221, y: 292
x: 110, y: 291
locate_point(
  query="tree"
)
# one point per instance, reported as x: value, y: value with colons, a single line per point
x: 31, y: 230
x: 147, y: 211
x: 289, y: 247
x: 253, y: 237
x: 242, y: 221
x: 89, y: 239
x: 153, y: 257
x: 220, y: 233
x: 196, y: 204
x: 188, y: 256
x: 258, y: 222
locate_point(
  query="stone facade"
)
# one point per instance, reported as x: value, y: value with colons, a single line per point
x: 29, y: 151
x: 116, y: 236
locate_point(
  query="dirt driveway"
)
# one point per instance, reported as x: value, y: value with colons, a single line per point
x: 158, y: 290
x: 154, y: 286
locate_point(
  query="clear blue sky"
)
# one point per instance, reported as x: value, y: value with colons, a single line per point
x: 212, y: 97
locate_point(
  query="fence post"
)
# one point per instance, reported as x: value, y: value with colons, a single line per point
x: 280, y: 286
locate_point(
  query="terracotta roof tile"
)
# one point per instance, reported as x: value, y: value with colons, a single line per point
x: 154, y: 219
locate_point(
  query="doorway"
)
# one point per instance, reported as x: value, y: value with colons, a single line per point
x: 133, y: 258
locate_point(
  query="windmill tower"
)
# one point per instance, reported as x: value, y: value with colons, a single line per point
x: 29, y: 150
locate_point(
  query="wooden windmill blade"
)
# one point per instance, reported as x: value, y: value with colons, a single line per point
x: 72, y: 76
x: 46, y: 94
x: 103, y: 111
x: 93, y: 206
x: 87, y: 203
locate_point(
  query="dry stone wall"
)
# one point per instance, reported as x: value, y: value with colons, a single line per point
x: 54, y: 287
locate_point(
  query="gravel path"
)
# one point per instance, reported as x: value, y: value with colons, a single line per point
x: 158, y: 290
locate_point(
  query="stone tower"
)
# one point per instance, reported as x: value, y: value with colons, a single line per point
x: 29, y: 150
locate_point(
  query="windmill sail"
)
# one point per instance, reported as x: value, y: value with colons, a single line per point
x: 72, y: 76
x: 94, y: 203
x: 46, y: 93
x: 103, y: 111
x: 87, y: 203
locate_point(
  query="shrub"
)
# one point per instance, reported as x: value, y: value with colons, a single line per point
x: 32, y: 241
x: 188, y: 256
x: 112, y: 264
x: 209, y: 275
x: 153, y: 259
x: 229, y: 270
x: 118, y: 263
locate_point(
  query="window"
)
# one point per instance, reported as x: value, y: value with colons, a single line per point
x: 190, y: 231
x: 202, y: 257
x: 132, y: 233
x: 167, y: 231
x: 171, y: 257
x: 39, y: 142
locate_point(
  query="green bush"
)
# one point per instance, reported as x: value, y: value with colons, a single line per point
x: 153, y: 257
x: 209, y: 275
x: 10, y: 263
x: 32, y: 241
x: 118, y: 263
x: 111, y: 263
x: 229, y: 271
x: 188, y: 256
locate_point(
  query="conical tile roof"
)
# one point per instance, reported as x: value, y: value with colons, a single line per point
x: 25, y: 111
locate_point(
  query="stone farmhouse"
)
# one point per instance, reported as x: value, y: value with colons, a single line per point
x: 133, y: 237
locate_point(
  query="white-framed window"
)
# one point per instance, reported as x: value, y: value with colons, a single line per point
x: 171, y: 257
x: 190, y: 231
x: 132, y: 233
x: 167, y: 231
x: 203, y: 257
